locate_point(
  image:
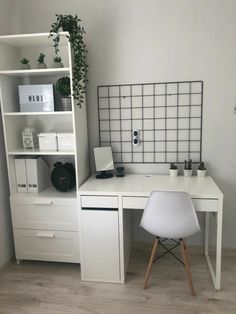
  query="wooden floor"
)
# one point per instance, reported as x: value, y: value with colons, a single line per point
x: 40, y: 287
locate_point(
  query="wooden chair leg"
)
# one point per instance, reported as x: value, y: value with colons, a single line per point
x: 186, y: 266
x: 153, y: 253
x: 187, y: 252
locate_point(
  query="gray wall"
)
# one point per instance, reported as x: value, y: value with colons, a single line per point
x: 133, y: 41
x: 6, y: 241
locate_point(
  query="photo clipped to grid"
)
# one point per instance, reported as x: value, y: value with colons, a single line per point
x: 167, y: 117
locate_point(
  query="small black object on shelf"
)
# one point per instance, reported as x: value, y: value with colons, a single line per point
x: 63, y: 176
x: 120, y: 171
x: 104, y: 175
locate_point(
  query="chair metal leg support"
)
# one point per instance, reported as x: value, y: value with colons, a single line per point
x: 149, y: 267
x: 168, y: 251
x: 187, y: 269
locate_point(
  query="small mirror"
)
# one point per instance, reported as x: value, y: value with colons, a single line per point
x: 104, y: 162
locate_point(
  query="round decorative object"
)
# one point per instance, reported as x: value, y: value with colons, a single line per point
x: 63, y: 176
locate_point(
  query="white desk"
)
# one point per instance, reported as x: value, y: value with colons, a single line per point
x: 105, y: 220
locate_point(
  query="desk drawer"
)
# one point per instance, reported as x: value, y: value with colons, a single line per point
x: 204, y: 205
x: 99, y: 201
x: 44, y: 213
x: 47, y: 245
x: 140, y: 203
x: 134, y: 202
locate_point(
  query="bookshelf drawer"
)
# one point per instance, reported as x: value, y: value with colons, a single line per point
x: 44, y: 213
x: 47, y: 245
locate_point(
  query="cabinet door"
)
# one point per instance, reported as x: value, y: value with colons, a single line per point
x: 100, y: 238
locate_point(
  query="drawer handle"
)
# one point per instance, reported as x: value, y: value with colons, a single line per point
x: 43, y: 202
x: 45, y: 235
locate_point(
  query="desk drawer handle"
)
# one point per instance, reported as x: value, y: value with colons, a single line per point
x: 45, y: 235
x: 46, y: 202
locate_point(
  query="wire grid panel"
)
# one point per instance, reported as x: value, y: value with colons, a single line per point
x: 168, y: 116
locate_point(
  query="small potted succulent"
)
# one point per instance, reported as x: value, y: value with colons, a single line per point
x: 25, y: 64
x: 188, y: 170
x: 173, y: 170
x: 63, y: 89
x: 201, y: 170
x: 57, y: 62
x: 41, y: 64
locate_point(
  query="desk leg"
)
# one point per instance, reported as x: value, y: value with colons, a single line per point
x: 219, y: 244
x: 215, y: 274
x: 121, y: 241
x: 207, y: 231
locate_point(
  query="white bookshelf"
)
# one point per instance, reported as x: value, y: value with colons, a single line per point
x: 36, y: 72
x: 38, y: 152
x: 40, y: 113
x: 12, y: 49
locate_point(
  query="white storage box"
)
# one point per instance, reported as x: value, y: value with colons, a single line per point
x: 65, y: 141
x: 36, y: 98
x: 47, y: 141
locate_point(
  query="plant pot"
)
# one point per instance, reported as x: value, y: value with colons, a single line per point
x: 201, y: 173
x: 66, y: 103
x: 25, y: 66
x: 188, y: 173
x: 58, y: 65
x: 41, y: 65
x: 173, y: 172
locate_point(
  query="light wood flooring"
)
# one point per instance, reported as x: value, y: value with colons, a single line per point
x: 41, y: 287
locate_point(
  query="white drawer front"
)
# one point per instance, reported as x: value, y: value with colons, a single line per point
x: 44, y: 245
x: 45, y: 214
x: 140, y: 203
x: 205, y: 205
x: 136, y: 202
x: 99, y: 201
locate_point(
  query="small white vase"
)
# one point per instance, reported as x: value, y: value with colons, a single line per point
x: 58, y: 65
x: 41, y: 66
x: 25, y: 66
x: 66, y: 103
x: 173, y: 172
x: 201, y: 173
x: 188, y: 173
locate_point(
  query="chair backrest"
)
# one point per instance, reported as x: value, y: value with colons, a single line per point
x: 170, y: 214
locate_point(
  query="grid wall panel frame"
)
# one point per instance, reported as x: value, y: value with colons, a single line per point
x: 168, y: 116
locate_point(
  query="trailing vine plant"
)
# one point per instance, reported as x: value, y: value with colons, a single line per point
x: 71, y: 24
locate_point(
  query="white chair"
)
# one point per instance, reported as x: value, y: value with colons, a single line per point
x: 170, y: 215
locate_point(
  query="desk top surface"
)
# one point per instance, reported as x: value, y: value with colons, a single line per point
x: 142, y: 185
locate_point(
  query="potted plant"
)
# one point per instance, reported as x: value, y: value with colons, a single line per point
x: 57, y: 62
x: 25, y: 64
x: 41, y: 64
x: 188, y: 168
x: 201, y: 171
x: 63, y: 88
x: 71, y: 24
x: 173, y: 170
